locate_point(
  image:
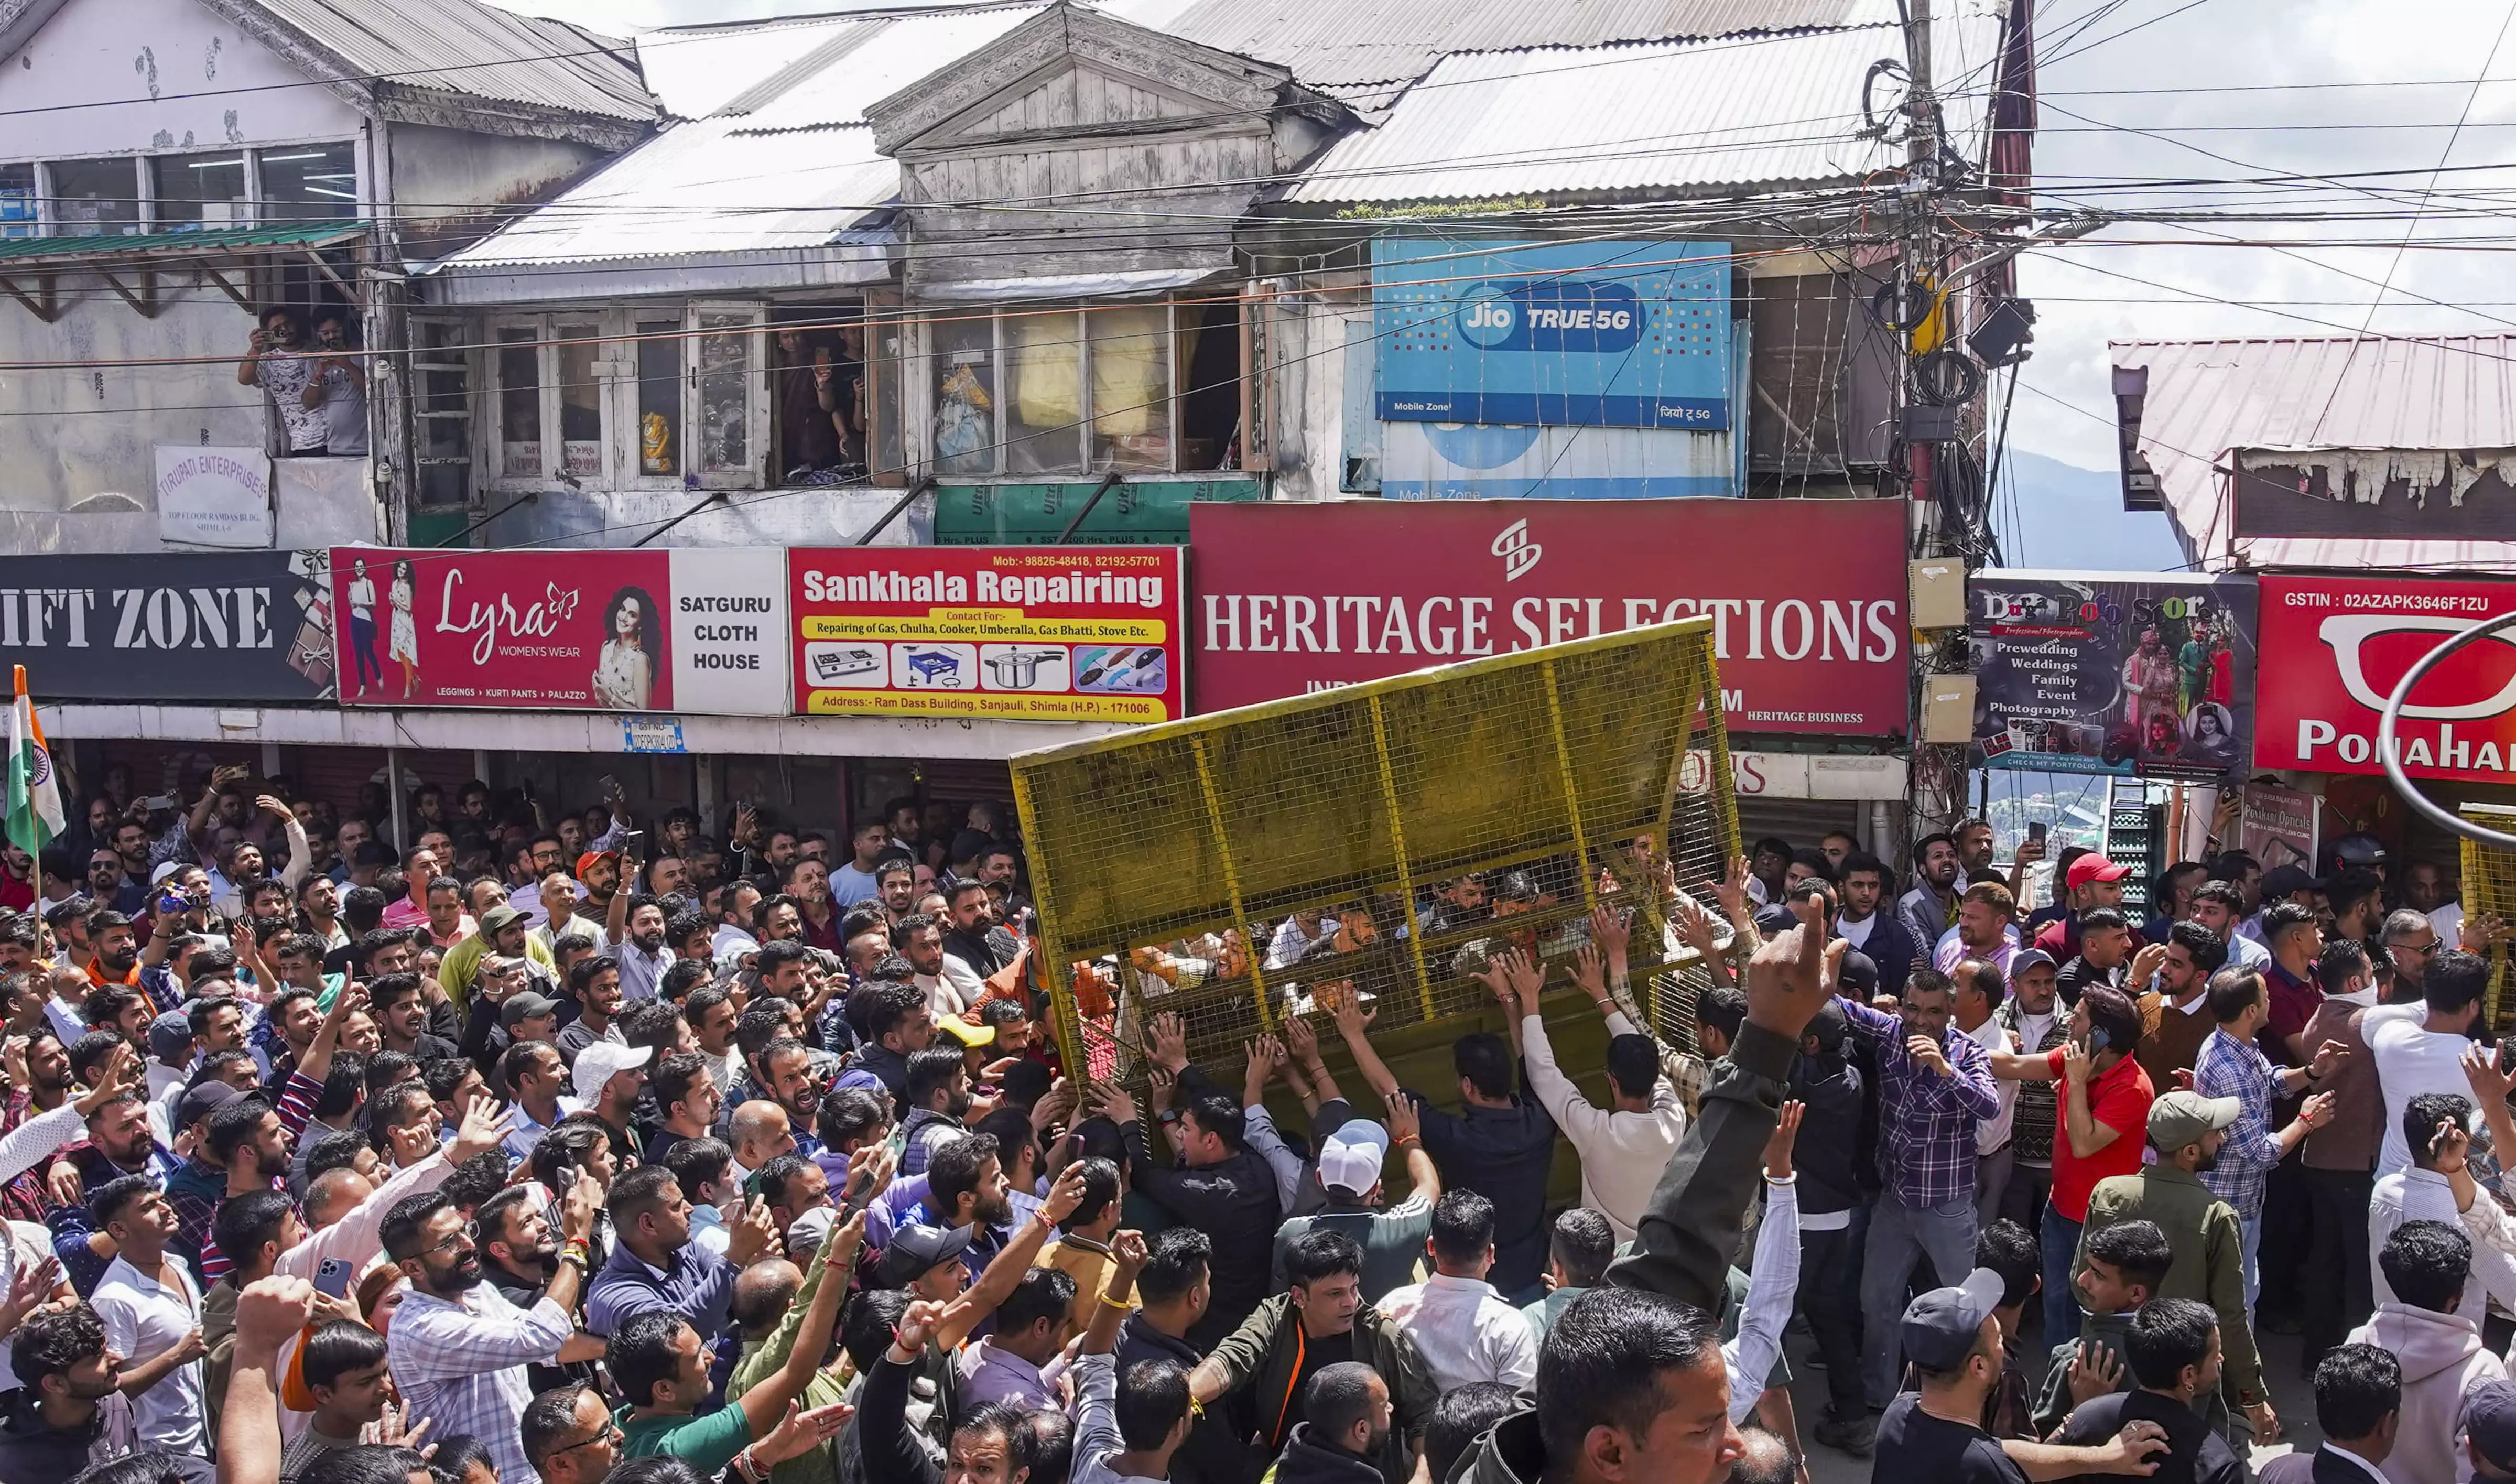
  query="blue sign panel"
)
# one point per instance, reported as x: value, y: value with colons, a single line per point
x: 1598, y: 334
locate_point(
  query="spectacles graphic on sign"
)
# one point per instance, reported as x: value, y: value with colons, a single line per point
x: 2348, y: 633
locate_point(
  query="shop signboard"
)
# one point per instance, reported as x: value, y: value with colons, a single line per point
x: 1631, y: 334
x: 214, y: 496
x: 700, y: 631
x: 2275, y: 825
x: 1008, y: 633
x: 2335, y: 646
x: 1807, y: 597
x: 2101, y: 672
x: 228, y: 626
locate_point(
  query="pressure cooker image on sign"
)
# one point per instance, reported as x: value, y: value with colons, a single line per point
x: 1025, y: 668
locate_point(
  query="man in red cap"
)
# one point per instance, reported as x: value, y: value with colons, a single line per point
x: 2092, y: 881
x: 600, y: 870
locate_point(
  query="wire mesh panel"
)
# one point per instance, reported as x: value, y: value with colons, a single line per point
x: 1380, y: 840
x: 2490, y: 889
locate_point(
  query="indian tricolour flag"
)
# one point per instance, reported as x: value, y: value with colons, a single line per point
x: 35, y: 795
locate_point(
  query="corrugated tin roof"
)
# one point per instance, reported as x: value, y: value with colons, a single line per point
x: 1342, y: 46
x: 2208, y: 397
x: 184, y: 244
x: 835, y: 87
x: 698, y: 70
x: 1666, y: 116
x: 706, y: 187
x: 476, y: 50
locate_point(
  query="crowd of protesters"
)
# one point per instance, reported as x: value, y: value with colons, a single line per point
x: 519, y: 1149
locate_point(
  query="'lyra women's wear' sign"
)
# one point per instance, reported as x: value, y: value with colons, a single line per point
x: 691, y: 631
x: 1029, y: 633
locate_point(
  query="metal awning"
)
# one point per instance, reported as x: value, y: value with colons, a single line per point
x: 129, y: 265
x: 1116, y: 285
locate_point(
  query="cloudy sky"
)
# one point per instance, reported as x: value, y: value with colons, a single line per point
x: 2207, y: 91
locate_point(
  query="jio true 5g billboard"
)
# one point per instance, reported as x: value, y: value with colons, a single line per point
x: 1630, y: 334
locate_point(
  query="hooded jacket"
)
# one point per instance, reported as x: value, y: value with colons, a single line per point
x: 2442, y: 1357
x: 1307, y: 1460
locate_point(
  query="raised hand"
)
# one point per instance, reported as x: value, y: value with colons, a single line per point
x: 1167, y: 1041
x: 868, y: 1170
x: 30, y: 1285
x: 1927, y: 1054
x: 1347, y: 1011
x: 2449, y: 1146
x: 917, y: 1323
x: 1611, y: 929
x: 1588, y: 973
x: 1112, y: 1102
x: 1128, y: 1255
x: 2076, y: 1063
x: 799, y: 1432
x: 1731, y: 888
x: 270, y: 1311
x: 1302, y: 1040
x: 62, y: 1185
x: 484, y: 1129
x: 1064, y: 1196
x: 2481, y: 930
x: 1404, y: 1122
x: 1778, y: 1145
x: 752, y: 1232
x: 1792, y: 974
x: 2144, y: 964
x: 576, y: 1208
x: 2490, y: 1083
x: 2094, y: 1373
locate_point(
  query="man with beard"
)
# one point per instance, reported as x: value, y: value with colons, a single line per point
x: 401, y: 1015
x: 107, y: 884
x: 609, y: 1078
x: 634, y: 934
x: 457, y: 1348
x: 818, y: 911
x: 950, y: 985
x: 598, y: 872
x: 939, y: 1102
x: 595, y: 985
x: 70, y: 1411
x: 656, y: 1267
x: 502, y: 930
x: 248, y: 1140
x: 2203, y: 1236
x: 117, y: 952
x: 520, y: 1255
x: 1930, y: 908
x: 245, y: 863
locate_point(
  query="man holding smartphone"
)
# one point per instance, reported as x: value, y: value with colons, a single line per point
x: 2105, y: 1116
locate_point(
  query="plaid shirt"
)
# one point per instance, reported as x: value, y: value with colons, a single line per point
x: 2231, y: 1067
x: 25, y: 1197
x: 462, y: 1365
x: 1926, y: 1123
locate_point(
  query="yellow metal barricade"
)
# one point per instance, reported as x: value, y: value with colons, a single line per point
x: 2490, y: 889
x: 1245, y: 866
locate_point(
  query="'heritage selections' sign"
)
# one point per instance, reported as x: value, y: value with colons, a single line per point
x: 1807, y: 597
x: 2087, y: 672
x: 2335, y: 648
x: 699, y: 630
x: 235, y: 626
x: 1019, y: 633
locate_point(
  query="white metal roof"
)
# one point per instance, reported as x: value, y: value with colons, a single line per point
x: 469, y: 48
x: 1768, y: 109
x: 698, y: 69
x: 889, y: 55
x: 1354, y: 46
x: 2208, y: 397
x: 703, y: 188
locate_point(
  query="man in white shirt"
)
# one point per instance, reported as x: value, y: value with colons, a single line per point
x: 1980, y: 993
x: 2428, y: 1191
x: 1460, y: 1325
x: 2220, y: 908
x: 1623, y: 1147
x: 2419, y: 1048
x: 951, y: 985
x: 152, y: 1316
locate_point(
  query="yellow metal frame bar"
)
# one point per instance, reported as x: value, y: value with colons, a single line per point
x: 1571, y: 791
x: 1230, y: 877
x: 1398, y: 849
x: 1054, y: 968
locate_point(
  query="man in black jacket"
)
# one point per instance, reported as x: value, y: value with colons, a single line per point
x: 68, y: 1412
x: 1346, y: 1431
x: 1171, y: 1294
x: 1828, y: 1090
x: 1218, y: 1185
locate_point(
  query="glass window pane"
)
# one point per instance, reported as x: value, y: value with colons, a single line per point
x: 200, y: 190
x: 1044, y: 413
x: 17, y: 201
x: 580, y: 402
x: 965, y: 395
x: 309, y: 183
x: 520, y: 404
x: 659, y: 397
x: 95, y: 199
x: 725, y: 393
x: 1131, y: 387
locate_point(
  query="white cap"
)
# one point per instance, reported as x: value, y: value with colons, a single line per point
x: 604, y: 1060
x: 1351, y: 1157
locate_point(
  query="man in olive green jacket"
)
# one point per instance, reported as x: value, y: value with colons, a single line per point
x: 2201, y: 1232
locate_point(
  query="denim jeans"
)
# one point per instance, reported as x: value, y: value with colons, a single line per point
x: 2250, y: 1229
x: 2060, y: 1241
x: 1902, y: 1236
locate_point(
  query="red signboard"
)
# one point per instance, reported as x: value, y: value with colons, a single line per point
x: 1807, y: 597
x: 2335, y: 648
x: 569, y: 630
x: 1017, y: 633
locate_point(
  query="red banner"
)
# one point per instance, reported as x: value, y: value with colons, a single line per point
x: 1807, y: 597
x: 2335, y: 648
x: 529, y: 629
x: 1017, y: 633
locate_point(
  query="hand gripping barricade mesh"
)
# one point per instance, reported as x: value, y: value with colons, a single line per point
x: 1250, y: 866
